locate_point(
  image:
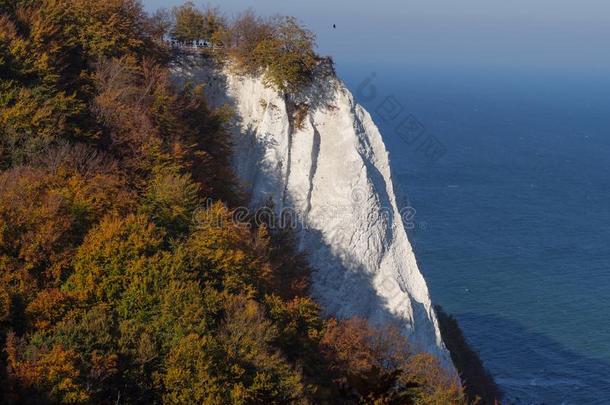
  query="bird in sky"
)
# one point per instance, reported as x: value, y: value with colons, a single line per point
x: 334, y: 26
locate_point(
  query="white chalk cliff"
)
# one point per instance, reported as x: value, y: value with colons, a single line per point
x: 321, y: 157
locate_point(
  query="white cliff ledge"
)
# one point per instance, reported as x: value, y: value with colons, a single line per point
x: 333, y: 171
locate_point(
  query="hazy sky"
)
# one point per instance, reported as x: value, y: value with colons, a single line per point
x: 547, y: 34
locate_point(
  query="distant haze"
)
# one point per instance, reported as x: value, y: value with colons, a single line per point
x: 520, y: 34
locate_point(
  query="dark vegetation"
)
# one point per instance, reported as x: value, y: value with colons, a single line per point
x: 478, y: 383
x: 123, y: 277
x: 277, y: 47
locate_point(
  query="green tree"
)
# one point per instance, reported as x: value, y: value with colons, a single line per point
x: 189, y: 23
x: 245, y: 33
x: 287, y: 55
x: 239, y: 367
x: 171, y: 200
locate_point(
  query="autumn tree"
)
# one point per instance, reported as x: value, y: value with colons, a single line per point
x: 215, y: 25
x: 240, y: 367
x: 287, y: 55
x: 245, y: 33
x: 161, y: 23
x: 172, y: 199
x: 189, y: 23
x: 125, y: 276
x: 433, y: 384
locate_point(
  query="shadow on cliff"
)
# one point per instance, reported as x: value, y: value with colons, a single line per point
x: 530, y: 368
x: 338, y: 274
x: 320, y: 93
x: 198, y: 70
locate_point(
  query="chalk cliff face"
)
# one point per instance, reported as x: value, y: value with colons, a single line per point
x: 321, y: 159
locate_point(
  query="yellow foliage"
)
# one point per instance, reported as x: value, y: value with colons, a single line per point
x: 119, y: 282
x: 111, y: 253
x: 109, y: 27
x: 191, y: 370
x: 224, y: 250
x: 436, y: 385
x: 55, y: 368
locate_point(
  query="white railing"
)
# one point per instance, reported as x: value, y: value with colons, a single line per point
x: 196, y: 45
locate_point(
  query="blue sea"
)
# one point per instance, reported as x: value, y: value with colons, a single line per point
x: 512, y: 224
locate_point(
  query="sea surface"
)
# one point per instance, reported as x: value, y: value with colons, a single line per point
x: 512, y: 223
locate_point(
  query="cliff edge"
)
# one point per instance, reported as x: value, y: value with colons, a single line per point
x: 319, y: 159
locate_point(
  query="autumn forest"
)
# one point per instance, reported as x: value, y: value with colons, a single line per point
x: 118, y: 282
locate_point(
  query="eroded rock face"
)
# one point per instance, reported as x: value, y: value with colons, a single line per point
x: 321, y: 158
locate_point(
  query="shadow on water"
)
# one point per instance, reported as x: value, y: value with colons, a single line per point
x: 530, y: 368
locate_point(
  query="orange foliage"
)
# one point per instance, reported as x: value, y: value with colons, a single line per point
x: 43, y: 213
x: 379, y: 365
x: 48, y: 307
x: 434, y: 384
x: 116, y: 285
x: 224, y: 250
x: 35, y: 229
x: 359, y: 348
x: 55, y: 368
